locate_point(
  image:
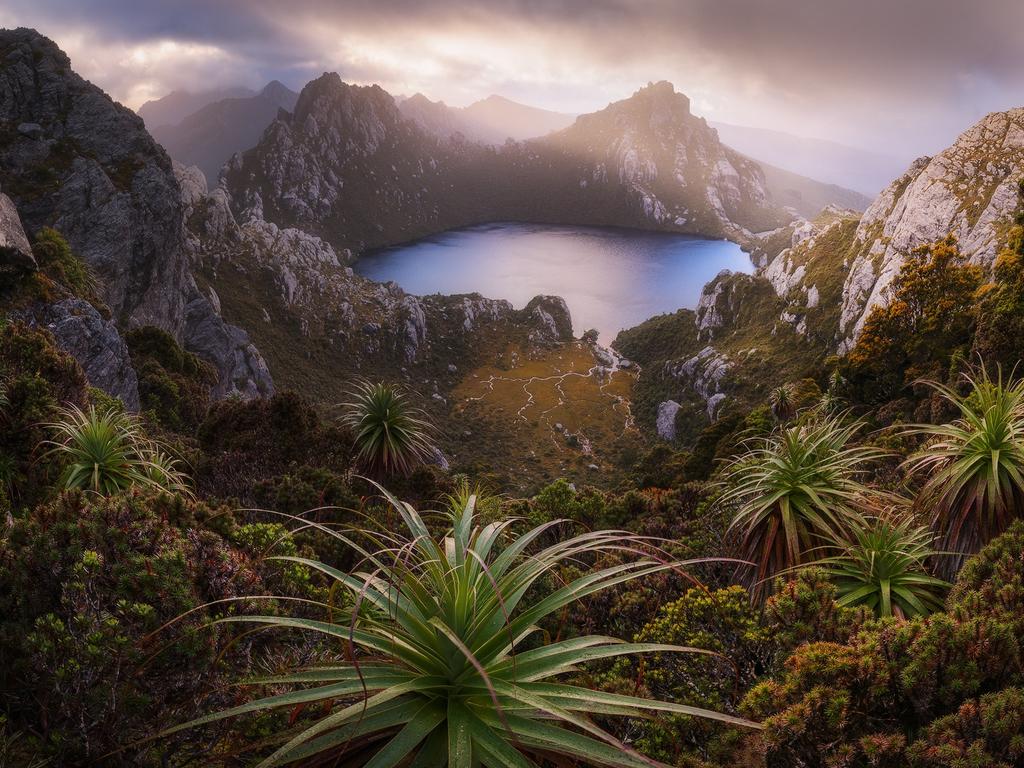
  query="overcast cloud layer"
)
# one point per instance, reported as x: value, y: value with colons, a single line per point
x: 899, y: 76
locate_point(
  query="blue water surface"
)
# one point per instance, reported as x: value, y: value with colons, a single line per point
x: 610, y: 278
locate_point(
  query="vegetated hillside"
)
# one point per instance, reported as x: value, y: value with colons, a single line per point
x: 208, y: 137
x: 749, y: 332
x: 831, y: 273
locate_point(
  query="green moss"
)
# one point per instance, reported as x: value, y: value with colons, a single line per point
x: 59, y: 263
x: 174, y: 385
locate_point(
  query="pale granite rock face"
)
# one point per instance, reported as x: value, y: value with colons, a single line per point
x: 666, y: 419
x: 969, y: 190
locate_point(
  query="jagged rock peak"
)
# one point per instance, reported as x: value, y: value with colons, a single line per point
x: 275, y: 89
x: 656, y: 104
x: 109, y: 189
x: 328, y: 96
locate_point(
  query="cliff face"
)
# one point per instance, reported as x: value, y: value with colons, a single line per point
x: 74, y: 160
x: 971, y: 189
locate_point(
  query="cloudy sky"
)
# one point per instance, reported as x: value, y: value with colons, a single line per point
x: 898, y: 76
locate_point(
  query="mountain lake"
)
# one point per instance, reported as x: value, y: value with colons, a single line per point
x: 610, y: 278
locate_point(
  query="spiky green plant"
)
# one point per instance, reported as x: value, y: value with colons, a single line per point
x: 882, y: 564
x: 391, y: 436
x: 974, y: 465
x: 107, y: 452
x: 792, y: 488
x: 829, y: 403
x: 450, y: 667
x: 780, y: 400
x: 836, y: 382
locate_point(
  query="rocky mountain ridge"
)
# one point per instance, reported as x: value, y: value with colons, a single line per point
x: 971, y: 189
x: 74, y: 160
x: 348, y: 167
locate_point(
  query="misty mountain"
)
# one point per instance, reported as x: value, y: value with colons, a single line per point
x: 483, y: 122
x: 511, y: 119
x: 809, y: 196
x: 348, y: 166
x: 209, y: 137
x: 490, y: 121
x: 831, y: 162
x: 177, y: 105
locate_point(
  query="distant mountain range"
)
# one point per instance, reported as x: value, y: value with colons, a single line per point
x: 211, y: 135
x: 850, y: 167
x: 491, y: 121
x: 177, y: 105
x: 220, y: 126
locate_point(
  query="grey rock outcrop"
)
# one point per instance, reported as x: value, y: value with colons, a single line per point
x: 705, y: 374
x: 665, y: 421
x: 15, y: 252
x: 551, y: 319
x: 970, y: 189
x: 92, y: 172
x: 95, y: 343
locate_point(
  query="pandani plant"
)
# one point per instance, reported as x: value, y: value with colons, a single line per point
x: 973, y: 467
x: 391, y: 436
x: 882, y: 564
x: 445, y: 661
x: 107, y: 452
x: 792, y: 488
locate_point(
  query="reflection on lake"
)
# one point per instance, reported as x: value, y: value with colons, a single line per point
x: 610, y: 278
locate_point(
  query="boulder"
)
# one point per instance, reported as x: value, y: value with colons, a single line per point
x: 95, y: 343
x: 551, y: 319
x: 666, y: 421
x: 15, y: 252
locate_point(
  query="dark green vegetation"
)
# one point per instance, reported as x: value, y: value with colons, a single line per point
x: 127, y: 608
x: 448, y: 670
x: 391, y: 435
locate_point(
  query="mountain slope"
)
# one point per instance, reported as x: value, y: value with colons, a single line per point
x: 808, y: 196
x: 493, y: 120
x: 73, y: 159
x: 831, y: 162
x: 349, y: 167
x: 209, y: 137
x: 177, y: 105
x: 510, y: 119
x: 972, y: 189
